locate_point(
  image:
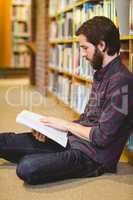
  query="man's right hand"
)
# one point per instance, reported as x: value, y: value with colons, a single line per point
x: 40, y: 137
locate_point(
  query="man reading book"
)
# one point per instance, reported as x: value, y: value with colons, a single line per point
x: 97, y: 138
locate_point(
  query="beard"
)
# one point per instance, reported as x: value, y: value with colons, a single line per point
x: 97, y: 60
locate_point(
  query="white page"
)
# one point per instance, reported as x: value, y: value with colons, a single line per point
x: 32, y: 120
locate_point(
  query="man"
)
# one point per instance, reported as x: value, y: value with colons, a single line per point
x: 96, y: 140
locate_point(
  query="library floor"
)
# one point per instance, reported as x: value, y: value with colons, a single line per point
x: 16, y: 95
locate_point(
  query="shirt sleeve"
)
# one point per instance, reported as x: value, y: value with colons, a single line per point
x: 114, y: 112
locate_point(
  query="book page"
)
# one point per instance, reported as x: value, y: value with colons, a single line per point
x: 32, y: 120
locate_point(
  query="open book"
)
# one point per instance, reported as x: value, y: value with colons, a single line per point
x: 32, y: 120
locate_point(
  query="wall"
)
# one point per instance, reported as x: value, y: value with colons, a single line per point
x: 41, y: 74
x: 5, y: 33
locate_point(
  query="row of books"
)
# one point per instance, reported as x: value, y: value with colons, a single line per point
x: 21, y: 60
x: 73, y: 94
x: 63, y: 27
x: 68, y: 58
x: 67, y: 23
x: 91, y: 9
x: 20, y: 27
x: 59, y: 5
x: 21, y: 13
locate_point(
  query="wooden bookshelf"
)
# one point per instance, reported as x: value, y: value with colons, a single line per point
x: 59, y: 42
x: 71, y: 41
x: 127, y: 37
x: 21, y: 32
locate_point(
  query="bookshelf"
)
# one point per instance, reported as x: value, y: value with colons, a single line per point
x: 65, y: 56
x: 70, y: 75
x: 21, y: 32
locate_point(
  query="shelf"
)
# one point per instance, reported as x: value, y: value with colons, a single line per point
x: 75, y: 39
x: 80, y: 78
x: 128, y: 37
x: 19, y: 20
x: 21, y: 35
x: 66, y: 41
x: 14, y: 72
x: 21, y: 4
x: 31, y: 45
x: 19, y: 52
x: 60, y: 71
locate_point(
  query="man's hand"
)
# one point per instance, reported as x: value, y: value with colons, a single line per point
x: 76, y: 129
x: 55, y: 123
x: 40, y: 137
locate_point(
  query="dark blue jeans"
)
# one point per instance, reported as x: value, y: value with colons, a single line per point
x: 39, y: 162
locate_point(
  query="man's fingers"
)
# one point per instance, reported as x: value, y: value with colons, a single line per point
x: 33, y: 132
x: 41, y: 137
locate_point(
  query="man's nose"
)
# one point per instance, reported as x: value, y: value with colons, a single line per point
x: 84, y: 54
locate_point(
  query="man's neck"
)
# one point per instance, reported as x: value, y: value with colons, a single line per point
x: 108, y: 59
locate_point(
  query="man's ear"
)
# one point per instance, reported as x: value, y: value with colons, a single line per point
x: 102, y: 46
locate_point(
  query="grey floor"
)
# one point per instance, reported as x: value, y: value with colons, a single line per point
x: 16, y: 95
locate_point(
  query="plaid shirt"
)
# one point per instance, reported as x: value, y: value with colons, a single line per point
x: 110, y: 114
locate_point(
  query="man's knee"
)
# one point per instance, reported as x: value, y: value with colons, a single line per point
x: 26, y: 171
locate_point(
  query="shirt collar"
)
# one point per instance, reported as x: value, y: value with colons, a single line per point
x: 107, y: 70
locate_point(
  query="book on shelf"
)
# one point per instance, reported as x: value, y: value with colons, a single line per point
x: 67, y: 59
x: 21, y: 60
x: 79, y: 96
x: 122, y: 7
x: 32, y: 120
x: 54, y: 30
x: 19, y: 27
x: 20, y: 13
x: 68, y: 25
x: 81, y: 66
x: 130, y: 143
x: 124, y: 53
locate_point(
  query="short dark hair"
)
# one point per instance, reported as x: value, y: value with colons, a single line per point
x: 101, y: 28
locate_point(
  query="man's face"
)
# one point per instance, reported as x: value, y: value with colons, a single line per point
x: 91, y: 53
